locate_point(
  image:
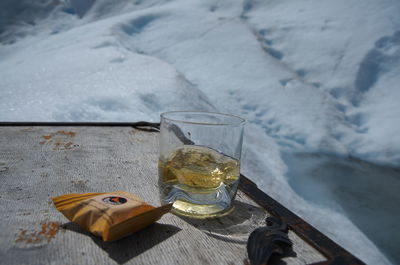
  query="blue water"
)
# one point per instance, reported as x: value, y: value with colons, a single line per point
x: 368, y: 194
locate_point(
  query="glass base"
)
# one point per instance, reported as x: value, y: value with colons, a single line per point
x: 191, y: 210
x: 195, y: 204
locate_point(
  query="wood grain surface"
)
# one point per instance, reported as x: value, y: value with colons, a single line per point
x: 37, y: 163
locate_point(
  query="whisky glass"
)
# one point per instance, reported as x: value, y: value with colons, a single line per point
x: 199, y: 162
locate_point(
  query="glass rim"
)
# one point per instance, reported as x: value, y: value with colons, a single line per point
x: 238, y: 120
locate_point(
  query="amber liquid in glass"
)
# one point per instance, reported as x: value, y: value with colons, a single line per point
x: 200, y: 181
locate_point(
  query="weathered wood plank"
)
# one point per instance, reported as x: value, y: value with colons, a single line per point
x: 37, y: 163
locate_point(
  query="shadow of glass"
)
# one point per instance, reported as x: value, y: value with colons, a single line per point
x: 124, y: 249
x: 234, y: 227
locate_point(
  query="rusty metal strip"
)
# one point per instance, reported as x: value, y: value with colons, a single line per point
x: 335, y: 254
x: 155, y: 125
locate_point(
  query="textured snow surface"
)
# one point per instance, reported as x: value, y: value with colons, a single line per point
x: 317, y: 81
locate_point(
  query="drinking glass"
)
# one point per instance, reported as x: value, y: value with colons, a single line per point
x: 199, y: 162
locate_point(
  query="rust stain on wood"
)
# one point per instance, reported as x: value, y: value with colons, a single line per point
x: 47, y: 232
x: 47, y: 137
x: 60, y: 140
x: 71, y: 134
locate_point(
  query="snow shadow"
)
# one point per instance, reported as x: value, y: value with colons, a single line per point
x: 375, y: 63
x: 78, y: 7
x: 368, y: 194
x: 137, y: 25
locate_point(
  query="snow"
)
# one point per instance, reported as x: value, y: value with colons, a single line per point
x: 317, y: 81
x: 347, y: 50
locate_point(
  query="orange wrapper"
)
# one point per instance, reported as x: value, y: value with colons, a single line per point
x: 109, y: 215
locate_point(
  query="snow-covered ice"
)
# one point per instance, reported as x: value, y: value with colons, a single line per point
x: 317, y: 81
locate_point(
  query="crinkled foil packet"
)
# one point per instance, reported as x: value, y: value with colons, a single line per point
x: 109, y: 215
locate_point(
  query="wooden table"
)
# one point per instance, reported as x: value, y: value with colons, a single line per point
x: 40, y: 162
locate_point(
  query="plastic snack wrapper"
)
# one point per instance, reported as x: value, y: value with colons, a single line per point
x: 109, y: 215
